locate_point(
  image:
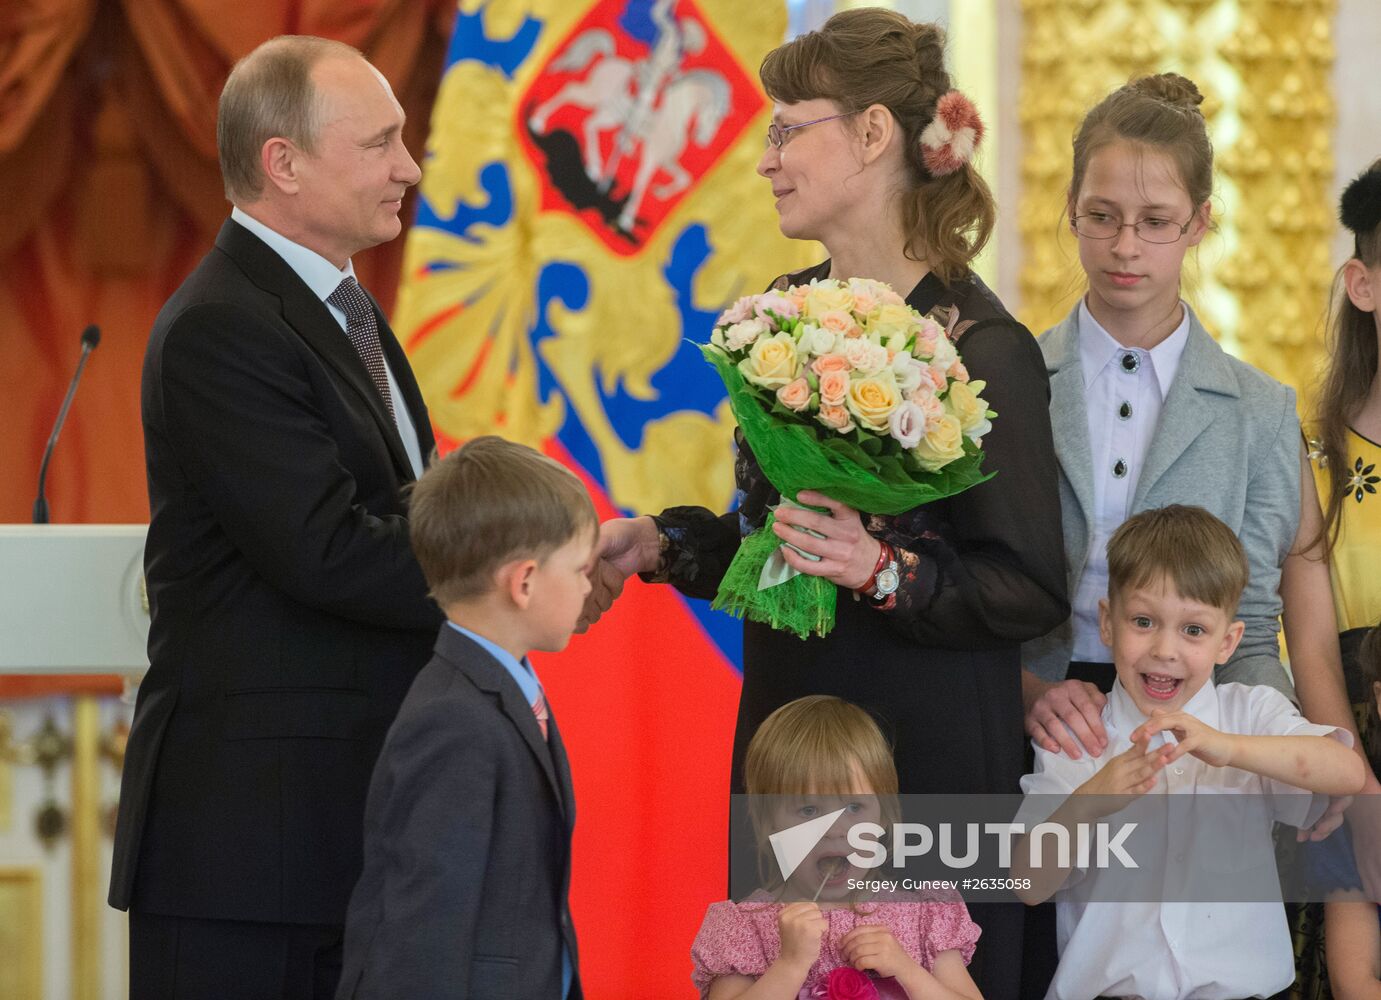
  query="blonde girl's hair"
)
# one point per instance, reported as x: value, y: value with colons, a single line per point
x: 1351, y: 349
x: 817, y: 745
x: 868, y: 56
x: 1160, y: 113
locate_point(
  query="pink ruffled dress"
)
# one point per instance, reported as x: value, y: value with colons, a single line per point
x: 742, y: 939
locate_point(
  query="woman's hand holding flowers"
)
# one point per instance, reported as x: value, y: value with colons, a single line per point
x: 847, y: 552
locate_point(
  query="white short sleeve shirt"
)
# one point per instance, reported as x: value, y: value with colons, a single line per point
x: 1165, y: 950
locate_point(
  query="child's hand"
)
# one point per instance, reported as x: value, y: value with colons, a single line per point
x: 801, y: 926
x: 1132, y: 772
x: 1192, y: 735
x: 869, y: 947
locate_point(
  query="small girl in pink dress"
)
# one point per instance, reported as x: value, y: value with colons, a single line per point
x: 817, y: 934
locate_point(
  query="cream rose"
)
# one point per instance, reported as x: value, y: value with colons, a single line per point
x: 940, y: 445
x: 834, y: 388
x: 772, y: 362
x: 871, y: 400
x: 740, y: 335
x: 836, y: 418
x: 795, y: 395
x: 892, y: 320
x: 827, y: 296
x: 965, y: 405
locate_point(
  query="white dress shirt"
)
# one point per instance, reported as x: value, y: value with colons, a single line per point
x: 1167, y: 950
x: 1124, y: 388
x: 322, y: 277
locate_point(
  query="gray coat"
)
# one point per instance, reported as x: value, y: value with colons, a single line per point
x: 466, y: 845
x: 1228, y: 441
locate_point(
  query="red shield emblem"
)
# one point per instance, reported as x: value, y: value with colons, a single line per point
x: 629, y: 112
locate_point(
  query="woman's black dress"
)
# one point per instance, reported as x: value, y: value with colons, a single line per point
x: 981, y: 573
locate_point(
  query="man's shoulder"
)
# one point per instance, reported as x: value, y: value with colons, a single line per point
x: 217, y: 288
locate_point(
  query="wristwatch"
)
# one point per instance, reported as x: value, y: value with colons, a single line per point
x: 881, y: 588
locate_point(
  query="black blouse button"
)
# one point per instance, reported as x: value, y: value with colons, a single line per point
x: 1120, y: 469
x: 1125, y: 410
x: 1130, y: 362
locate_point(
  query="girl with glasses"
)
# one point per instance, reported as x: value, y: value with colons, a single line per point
x: 869, y: 152
x: 1148, y: 410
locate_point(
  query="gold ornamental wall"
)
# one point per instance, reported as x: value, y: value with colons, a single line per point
x: 1261, y: 280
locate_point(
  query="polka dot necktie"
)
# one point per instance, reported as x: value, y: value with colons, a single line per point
x: 363, y: 332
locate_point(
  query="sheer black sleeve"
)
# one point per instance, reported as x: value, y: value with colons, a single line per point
x: 987, y: 568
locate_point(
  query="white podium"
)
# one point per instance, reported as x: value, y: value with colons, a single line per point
x: 72, y: 599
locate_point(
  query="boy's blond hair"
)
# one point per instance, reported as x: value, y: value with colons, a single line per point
x: 487, y: 503
x: 1190, y: 547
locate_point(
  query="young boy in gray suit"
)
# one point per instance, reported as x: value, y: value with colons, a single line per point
x: 468, y: 823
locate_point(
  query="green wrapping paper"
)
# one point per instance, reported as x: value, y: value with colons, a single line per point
x: 854, y: 469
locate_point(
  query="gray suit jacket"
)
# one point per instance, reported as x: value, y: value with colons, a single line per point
x: 466, y: 845
x: 1228, y: 441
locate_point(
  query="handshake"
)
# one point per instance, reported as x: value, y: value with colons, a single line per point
x: 625, y: 546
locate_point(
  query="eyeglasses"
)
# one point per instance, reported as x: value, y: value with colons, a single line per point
x: 777, y: 134
x: 1101, y: 226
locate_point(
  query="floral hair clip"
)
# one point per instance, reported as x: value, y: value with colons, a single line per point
x: 952, y: 136
x: 1360, y: 209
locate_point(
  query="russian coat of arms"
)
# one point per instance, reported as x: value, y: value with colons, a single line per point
x: 628, y: 113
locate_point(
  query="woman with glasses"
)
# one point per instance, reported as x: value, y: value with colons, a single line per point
x: 868, y: 152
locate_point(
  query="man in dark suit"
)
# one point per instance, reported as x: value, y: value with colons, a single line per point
x: 281, y: 422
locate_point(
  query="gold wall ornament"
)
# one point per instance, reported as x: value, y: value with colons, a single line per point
x: 21, y: 932
x: 1260, y: 280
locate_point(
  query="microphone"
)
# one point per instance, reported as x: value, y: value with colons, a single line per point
x: 91, y: 336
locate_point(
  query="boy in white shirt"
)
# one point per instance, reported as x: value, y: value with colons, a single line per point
x: 1175, y: 577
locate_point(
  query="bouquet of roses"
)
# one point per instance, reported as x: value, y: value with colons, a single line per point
x: 845, y: 389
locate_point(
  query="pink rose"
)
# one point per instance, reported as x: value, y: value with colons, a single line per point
x: 836, y: 418
x: 958, y: 371
x: 928, y: 336
x: 848, y: 983
x: 778, y: 304
x: 795, y: 395
x: 834, y: 388
x: 929, y: 404
x: 827, y: 363
x: 864, y: 301
x: 837, y: 321
x: 938, y: 376
x: 737, y: 312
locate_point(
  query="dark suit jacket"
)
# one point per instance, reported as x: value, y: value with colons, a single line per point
x: 289, y: 615
x: 467, y: 844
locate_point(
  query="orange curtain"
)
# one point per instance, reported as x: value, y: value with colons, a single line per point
x: 110, y: 194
